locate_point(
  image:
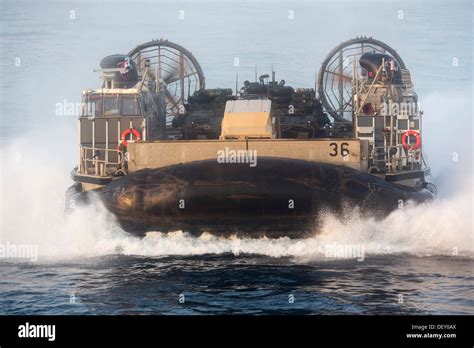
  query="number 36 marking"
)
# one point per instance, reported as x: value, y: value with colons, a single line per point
x: 335, y: 149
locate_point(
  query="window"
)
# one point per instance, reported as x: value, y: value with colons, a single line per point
x: 99, y: 105
x: 110, y: 106
x: 85, y: 107
x: 129, y: 106
x: 92, y: 106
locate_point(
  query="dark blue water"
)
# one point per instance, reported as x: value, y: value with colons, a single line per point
x: 416, y: 261
x: 225, y: 284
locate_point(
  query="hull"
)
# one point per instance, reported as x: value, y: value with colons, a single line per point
x: 279, y: 197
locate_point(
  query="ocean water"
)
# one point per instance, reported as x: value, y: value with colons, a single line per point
x: 418, y: 260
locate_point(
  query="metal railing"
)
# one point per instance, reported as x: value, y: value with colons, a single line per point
x: 92, y: 164
x: 398, y: 161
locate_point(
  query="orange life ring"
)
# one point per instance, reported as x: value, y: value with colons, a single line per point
x: 417, y: 144
x: 127, y: 132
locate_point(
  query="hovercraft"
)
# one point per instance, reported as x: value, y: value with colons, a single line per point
x: 163, y: 153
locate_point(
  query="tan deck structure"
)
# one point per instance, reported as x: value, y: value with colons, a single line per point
x: 156, y: 154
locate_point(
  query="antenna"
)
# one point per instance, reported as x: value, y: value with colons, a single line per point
x: 255, y: 72
x: 236, y: 83
x: 273, y: 74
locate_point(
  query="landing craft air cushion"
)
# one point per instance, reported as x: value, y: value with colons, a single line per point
x: 163, y: 153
